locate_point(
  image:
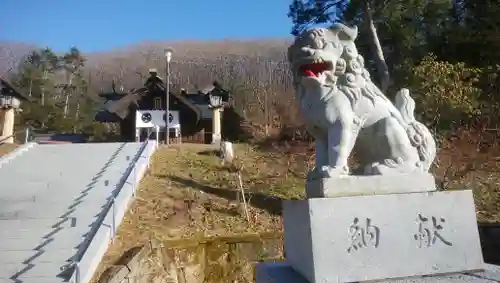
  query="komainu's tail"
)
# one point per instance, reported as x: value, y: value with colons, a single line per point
x: 419, y: 134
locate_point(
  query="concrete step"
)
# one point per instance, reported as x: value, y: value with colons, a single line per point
x: 23, y: 272
x: 36, y: 257
x: 49, y: 209
x: 80, y: 219
x: 49, y: 212
x: 34, y: 280
x: 58, y: 164
x: 49, y: 154
x: 37, y: 193
x: 106, y: 183
x: 32, y: 190
x: 44, y: 267
x: 23, y: 232
x: 68, y: 238
x: 35, y: 224
x: 42, y: 214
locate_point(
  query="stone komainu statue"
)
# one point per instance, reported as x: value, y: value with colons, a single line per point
x: 344, y: 109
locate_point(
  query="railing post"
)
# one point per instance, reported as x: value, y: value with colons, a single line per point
x: 113, y: 219
x: 27, y: 135
x: 157, y: 130
x: 148, y: 154
x: 134, y: 180
x: 76, y: 266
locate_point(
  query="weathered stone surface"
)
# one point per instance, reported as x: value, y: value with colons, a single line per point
x: 281, y: 272
x: 378, y: 237
x: 341, y: 186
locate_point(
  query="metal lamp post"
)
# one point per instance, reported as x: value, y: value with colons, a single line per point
x: 168, y: 58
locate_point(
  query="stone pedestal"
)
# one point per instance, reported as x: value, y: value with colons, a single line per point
x: 282, y: 272
x: 370, y: 185
x: 8, y: 124
x: 369, y: 228
x: 350, y: 239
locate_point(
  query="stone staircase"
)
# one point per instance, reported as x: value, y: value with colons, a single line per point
x: 60, y: 205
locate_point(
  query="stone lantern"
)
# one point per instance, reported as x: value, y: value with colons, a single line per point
x: 217, y: 104
x: 10, y: 102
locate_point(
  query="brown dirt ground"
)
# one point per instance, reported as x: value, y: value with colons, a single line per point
x: 187, y: 193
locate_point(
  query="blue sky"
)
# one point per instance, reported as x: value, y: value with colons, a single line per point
x: 99, y: 25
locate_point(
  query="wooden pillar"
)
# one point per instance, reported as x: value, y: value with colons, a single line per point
x: 8, y: 124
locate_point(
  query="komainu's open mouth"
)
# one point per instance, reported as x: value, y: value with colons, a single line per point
x: 315, y: 69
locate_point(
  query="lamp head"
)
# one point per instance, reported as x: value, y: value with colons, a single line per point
x: 168, y: 54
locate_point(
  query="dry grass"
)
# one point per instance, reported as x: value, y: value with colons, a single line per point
x: 6, y: 148
x: 187, y: 193
x: 471, y: 160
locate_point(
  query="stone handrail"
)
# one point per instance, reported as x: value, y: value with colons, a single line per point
x: 84, y: 265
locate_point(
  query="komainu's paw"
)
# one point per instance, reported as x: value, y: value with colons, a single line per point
x: 332, y: 172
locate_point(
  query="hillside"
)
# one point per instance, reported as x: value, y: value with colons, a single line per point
x: 193, y: 63
x: 11, y: 53
x: 253, y: 70
x: 148, y: 54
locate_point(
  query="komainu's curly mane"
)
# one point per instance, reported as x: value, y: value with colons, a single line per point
x: 353, y: 78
